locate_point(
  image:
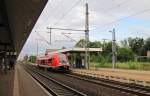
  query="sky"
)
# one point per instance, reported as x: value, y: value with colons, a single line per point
x: 130, y: 18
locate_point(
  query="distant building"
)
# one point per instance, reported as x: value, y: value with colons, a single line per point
x: 148, y: 53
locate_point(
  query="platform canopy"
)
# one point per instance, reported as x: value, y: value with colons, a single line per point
x: 80, y: 50
x: 17, y: 19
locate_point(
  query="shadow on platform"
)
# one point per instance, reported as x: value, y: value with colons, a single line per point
x: 6, y: 82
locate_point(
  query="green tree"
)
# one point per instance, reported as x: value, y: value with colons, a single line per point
x: 32, y: 59
x: 124, y: 43
x: 108, y: 47
x: 135, y: 44
x: 25, y: 58
x: 125, y: 54
x: 147, y: 44
x: 95, y: 44
x: 80, y: 43
x: 143, y: 50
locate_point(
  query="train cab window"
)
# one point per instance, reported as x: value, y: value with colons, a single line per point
x: 62, y: 58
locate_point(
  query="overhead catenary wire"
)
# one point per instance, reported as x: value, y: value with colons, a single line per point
x: 118, y: 20
x: 119, y: 5
x: 73, y: 40
x: 71, y: 33
x: 46, y: 16
x: 43, y: 38
x: 63, y: 16
x: 65, y: 29
x: 56, y: 8
x: 124, y: 18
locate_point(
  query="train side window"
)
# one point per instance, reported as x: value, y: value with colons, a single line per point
x: 39, y: 61
x: 43, y: 62
x: 49, y: 60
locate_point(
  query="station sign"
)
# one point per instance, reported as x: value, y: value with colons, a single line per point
x: 11, y: 53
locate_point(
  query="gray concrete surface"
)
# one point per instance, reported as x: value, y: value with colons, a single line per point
x: 27, y: 86
x: 6, y: 83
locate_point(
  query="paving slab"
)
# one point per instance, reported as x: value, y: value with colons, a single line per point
x: 6, y: 83
x: 26, y: 85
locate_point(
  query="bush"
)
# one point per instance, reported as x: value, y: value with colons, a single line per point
x: 132, y: 65
x: 125, y: 54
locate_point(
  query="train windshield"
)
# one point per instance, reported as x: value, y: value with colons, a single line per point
x: 63, y: 58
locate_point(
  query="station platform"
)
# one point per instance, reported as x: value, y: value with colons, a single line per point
x: 20, y: 83
x: 122, y: 75
x: 6, y: 83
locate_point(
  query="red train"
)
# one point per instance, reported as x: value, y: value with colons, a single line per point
x: 55, y: 61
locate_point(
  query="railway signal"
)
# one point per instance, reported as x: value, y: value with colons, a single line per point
x: 87, y: 36
x: 113, y: 48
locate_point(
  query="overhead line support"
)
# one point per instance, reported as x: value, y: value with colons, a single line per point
x: 87, y: 37
x: 64, y: 29
x: 50, y: 33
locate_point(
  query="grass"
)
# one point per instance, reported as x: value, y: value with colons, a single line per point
x: 123, y: 65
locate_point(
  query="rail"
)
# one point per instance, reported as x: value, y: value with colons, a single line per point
x: 54, y: 87
x: 128, y: 88
x: 115, y: 78
x: 106, y: 82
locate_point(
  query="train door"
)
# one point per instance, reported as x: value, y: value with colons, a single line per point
x: 55, y: 60
x: 50, y: 62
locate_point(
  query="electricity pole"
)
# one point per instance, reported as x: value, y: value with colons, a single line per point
x: 50, y: 42
x: 113, y: 48
x: 37, y: 48
x: 87, y: 37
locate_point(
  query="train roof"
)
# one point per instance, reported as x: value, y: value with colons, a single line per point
x: 46, y: 56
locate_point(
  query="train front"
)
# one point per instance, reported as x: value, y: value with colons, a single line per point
x: 63, y: 62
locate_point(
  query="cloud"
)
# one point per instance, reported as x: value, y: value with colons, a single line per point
x: 140, y: 31
x: 101, y: 13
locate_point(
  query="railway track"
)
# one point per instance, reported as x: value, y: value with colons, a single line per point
x: 127, y: 89
x: 51, y: 85
x: 131, y: 85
